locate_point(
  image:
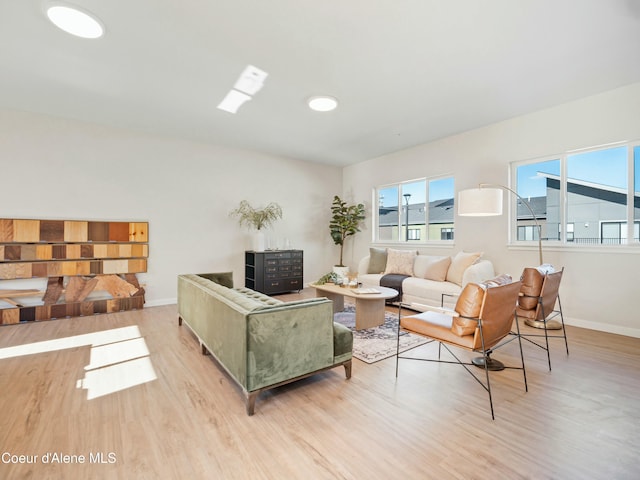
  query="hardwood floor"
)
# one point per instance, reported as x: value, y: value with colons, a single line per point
x: 177, y: 415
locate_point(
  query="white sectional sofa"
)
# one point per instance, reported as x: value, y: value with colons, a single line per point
x: 430, y: 276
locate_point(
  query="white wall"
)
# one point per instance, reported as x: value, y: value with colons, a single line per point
x: 62, y: 169
x: 599, y: 287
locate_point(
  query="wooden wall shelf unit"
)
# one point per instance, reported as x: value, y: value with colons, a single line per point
x: 77, y: 257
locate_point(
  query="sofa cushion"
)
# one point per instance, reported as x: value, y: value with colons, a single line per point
x: 531, y: 286
x: 421, y: 290
x: 377, y: 260
x: 459, y: 264
x: 469, y: 302
x: 400, y: 262
x: 224, y: 278
x: 437, y: 269
x: 342, y: 342
x: 532, y: 279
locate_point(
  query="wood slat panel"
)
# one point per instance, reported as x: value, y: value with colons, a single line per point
x: 27, y: 314
x: 9, y: 316
x: 137, y: 265
x: 98, y: 232
x: 74, y: 251
x: 6, y: 230
x: 113, y: 250
x: 95, y: 267
x: 59, y: 252
x: 12, y: 252
x: 86, y: 251
x: 26, y: 231
x: 7, y: 271
x: 51, y: 231
x: 125, y: 250
x: 29, y: 252
x: 59, y: 310
x: 115, y: 266
x: 44, y: 252
x: 139, y: 251
x: 40, y: 270
x: 138, y: 232
x: 24, y: 270
x: 76, y: 231
x: 100, y: 250
x: 54, y: 269
x: 43, y: 312
x: 119, y: 231
x: 69, y: 268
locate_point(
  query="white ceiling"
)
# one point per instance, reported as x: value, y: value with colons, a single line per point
x: 405, y: 71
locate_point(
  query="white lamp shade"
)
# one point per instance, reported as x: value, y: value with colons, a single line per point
x: 480, y: 202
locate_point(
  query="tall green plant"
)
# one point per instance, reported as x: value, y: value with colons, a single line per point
x: 345, y: 221
x: 257, y: 218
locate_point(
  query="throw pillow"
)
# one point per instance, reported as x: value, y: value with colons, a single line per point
x: 503, y: 279
x: 470, y: 301
x: 459, y: 264
x: 377, y: 260
x: 531, y: 287
x: 400, y: 262
x: 437, y: 269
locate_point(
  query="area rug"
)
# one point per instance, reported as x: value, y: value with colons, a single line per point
x: 374, y: 344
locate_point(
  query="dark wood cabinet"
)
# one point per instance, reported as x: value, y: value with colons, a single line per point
x: 273, y: 272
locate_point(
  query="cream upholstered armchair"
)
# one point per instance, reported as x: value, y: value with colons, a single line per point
x: 539, y: 305
x: 481, y: 322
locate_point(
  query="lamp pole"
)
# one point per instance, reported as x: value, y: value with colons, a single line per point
x: 526, y: 204
x: 407, y: 196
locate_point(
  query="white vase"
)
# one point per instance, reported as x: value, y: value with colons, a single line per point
x: 258, y: 241
x: 341, y: 272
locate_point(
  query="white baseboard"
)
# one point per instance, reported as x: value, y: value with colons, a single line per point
x: 160, y: 302
x: 603, y: 327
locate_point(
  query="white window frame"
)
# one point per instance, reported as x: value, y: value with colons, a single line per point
x: 400, y: 221
x: 563, y: 214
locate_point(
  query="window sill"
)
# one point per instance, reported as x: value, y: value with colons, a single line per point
x: 559, y: 247
x: 445, y: 244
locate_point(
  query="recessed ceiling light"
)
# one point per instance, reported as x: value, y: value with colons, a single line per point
x: 75, y: 21
x: 323, y: 103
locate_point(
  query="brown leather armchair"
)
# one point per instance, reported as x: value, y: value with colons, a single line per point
x: 481, y: 322
x: 539, y: 297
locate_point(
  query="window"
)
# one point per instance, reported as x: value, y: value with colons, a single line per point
x: 405, y: 215
x: 539, y: 184
x: 446, y: 234
x: 528, y: 233
x: 636, y: 193
x: 597, y: 195
x: 588, y: 191
x: 414, y: 234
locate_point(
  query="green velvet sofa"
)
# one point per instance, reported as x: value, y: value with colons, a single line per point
x: 260, y: 341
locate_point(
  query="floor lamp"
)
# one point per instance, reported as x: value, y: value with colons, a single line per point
x: 486, y: 201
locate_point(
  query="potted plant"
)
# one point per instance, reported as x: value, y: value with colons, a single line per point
x: 258, y: 219
x: 345, y: 222
x: 330, y: 277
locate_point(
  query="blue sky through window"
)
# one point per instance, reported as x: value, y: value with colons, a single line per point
x: 602, y: 167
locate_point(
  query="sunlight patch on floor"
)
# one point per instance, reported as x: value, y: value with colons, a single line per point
x: 119, y: 359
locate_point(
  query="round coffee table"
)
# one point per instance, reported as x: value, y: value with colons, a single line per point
x: 369, y: 306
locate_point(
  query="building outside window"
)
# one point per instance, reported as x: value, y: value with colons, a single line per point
x: 588, y: 191
x: 404, y: 215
